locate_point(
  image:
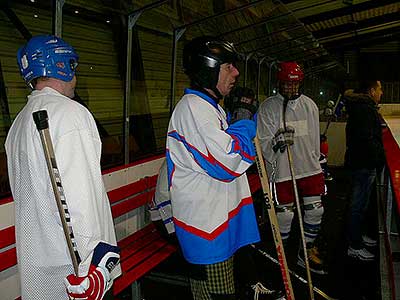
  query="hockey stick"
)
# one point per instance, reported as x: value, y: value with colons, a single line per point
x: 317, y: 290
x: 330, y: 117
x: 273, y: 220
x: 296, y: 196
x: 41, y: 120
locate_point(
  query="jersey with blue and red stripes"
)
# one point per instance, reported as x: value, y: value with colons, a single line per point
x: 207, y: 159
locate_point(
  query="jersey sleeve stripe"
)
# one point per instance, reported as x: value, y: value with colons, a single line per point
x: 236, y: 148
x: 208, y: 162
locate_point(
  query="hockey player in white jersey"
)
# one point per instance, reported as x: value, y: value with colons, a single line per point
x: 207, y: 159
x: 302, y: 132
x: 48, y: 65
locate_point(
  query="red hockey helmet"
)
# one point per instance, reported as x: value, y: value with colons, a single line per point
x: 290, y: 71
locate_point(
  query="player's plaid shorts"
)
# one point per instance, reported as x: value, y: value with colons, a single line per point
x: 219, y: 280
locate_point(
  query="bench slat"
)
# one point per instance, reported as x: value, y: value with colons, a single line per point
x: 139, y: 245
x: 142, y: 255
x: 132, y: 189
x: 130, y: 204
x: 130, y: 276
x: 137, y: 235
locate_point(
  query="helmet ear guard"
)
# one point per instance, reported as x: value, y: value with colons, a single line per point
x: 47, y: 56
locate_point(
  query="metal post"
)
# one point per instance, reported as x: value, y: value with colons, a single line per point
x: 132, y: 18
x: 57, y: 17
x: 260, y: 61
x: 270, y: 77
x: 246, y: 68
x: 178, y: 32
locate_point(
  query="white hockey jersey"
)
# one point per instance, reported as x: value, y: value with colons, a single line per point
x: 211, y: 200
x: 303, y: 115
x: 43, y: 257
x: 160, y: 205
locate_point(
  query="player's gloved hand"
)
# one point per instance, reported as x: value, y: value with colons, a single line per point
x: 282, y: 139
x: 98, y: 280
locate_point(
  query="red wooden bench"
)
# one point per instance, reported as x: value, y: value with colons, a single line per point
x: 145, y: 248
x: 141, y: 251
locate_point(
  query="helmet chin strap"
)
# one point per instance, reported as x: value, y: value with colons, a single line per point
x: 217, y: 93
x: 293, y: 97
x: 217, y: 96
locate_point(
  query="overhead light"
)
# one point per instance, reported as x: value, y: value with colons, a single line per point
x: 321, y: 92
x: 77, y: 11
x: 33, y: 1
x: 35, y: 16
x: 108, y: 21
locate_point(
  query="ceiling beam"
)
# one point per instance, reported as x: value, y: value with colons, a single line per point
x: 348, y: 10
x: 357, y: 25
x: 374, y: 38
x: 252, y: 10
x: 264, y: 36
x: 295, y: 39
x: 359, y: 33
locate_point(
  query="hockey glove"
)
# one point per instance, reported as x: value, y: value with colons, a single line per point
x: 98, y: 280
x: 282, y: 139
x: 243, y: 111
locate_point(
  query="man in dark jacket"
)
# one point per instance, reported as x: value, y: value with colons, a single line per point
x: 364, y: 156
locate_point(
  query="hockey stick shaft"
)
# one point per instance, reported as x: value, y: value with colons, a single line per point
x: 41, y: 120
x: 317, y: 290
x: 300, y: 218
x: 330, y: 117
x: 273, y: 221
x: 297, y: 200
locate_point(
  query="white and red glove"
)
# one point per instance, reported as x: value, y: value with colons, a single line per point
x: 98, y: 280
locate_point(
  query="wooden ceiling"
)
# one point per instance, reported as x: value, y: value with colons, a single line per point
x: 314, y: 32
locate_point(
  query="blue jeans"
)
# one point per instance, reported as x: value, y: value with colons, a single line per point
x: 362, y: 180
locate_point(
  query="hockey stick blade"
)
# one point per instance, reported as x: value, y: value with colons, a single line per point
x: 317, y: 290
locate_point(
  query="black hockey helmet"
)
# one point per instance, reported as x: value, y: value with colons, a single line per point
x: 237, y: 107
x: 247, y: 92
x: 202, y: 58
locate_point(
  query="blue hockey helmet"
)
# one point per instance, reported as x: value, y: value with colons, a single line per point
x: 47, y: 56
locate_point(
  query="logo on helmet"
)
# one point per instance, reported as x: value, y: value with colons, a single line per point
x: 24, y: 62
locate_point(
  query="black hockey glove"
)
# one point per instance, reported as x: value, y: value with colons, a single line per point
x: 282, y: 139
